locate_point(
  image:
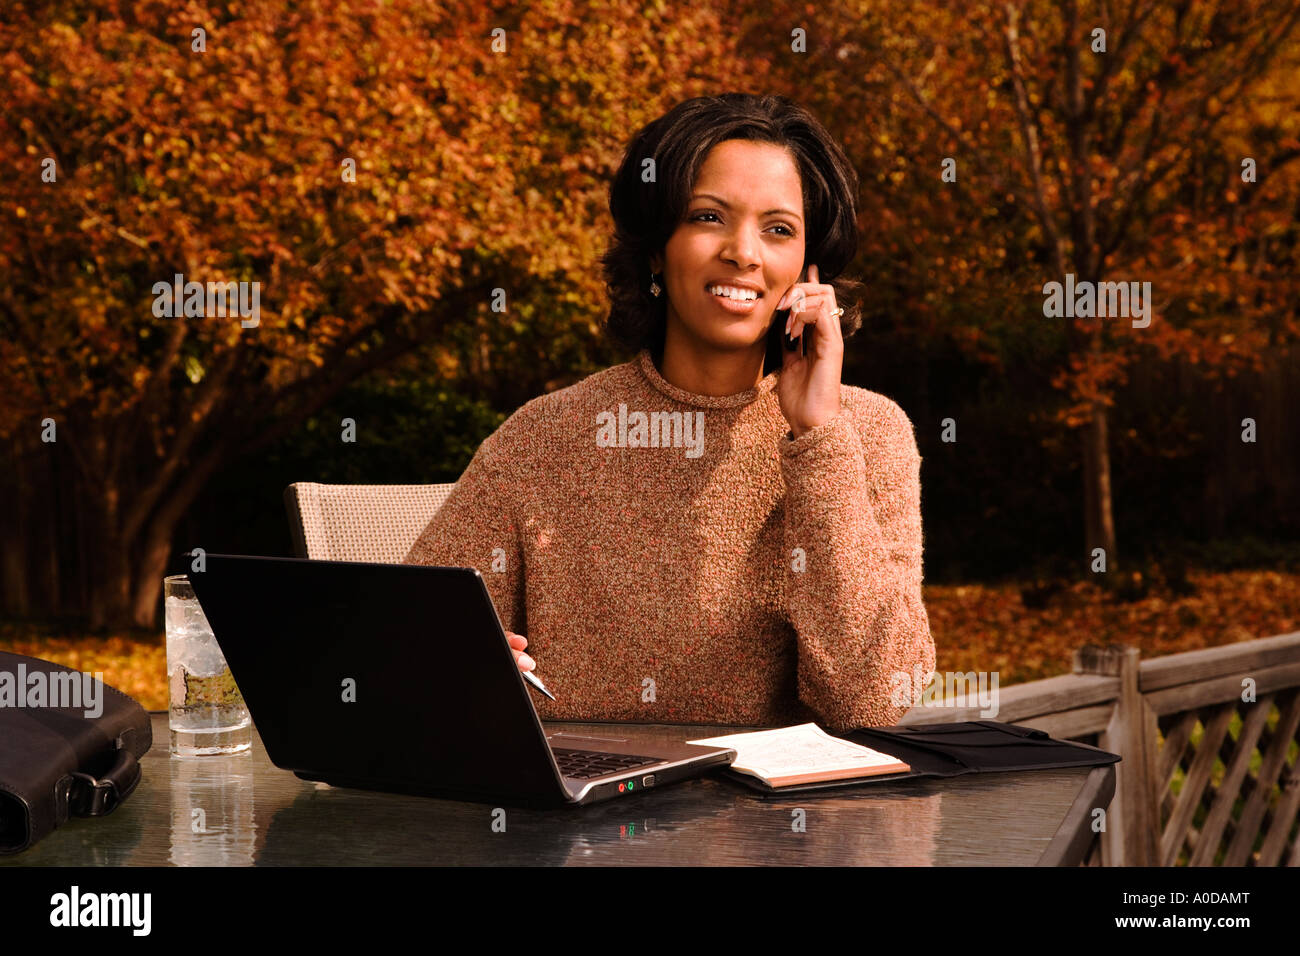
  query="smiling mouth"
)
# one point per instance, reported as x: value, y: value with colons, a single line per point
x: 745, y: 296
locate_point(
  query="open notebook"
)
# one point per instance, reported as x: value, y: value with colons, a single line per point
x: 803, y: 754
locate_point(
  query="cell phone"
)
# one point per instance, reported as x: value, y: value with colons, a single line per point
x: 790, y: 343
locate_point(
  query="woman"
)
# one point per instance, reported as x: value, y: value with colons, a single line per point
x: 717, y: 531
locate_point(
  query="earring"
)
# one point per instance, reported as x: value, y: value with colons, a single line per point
x: 654, y: 286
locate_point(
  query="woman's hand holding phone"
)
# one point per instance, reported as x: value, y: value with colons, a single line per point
x: 809, y: 388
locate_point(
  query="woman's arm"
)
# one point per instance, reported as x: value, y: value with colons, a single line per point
x: 853, y: 511
x: 475, y: 528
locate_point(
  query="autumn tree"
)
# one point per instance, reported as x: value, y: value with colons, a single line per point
x: 1142, y: 141
x: 386, y: 171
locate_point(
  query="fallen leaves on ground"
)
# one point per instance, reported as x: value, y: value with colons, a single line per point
x: 137, y: 666
x: 985, y: 628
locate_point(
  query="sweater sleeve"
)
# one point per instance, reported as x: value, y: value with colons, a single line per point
x: 476, y: 528
x: 853, y: 508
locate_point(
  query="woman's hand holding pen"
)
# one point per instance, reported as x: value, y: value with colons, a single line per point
x: 517, y: 644
x: 526, y: 664
x: 809, y: 388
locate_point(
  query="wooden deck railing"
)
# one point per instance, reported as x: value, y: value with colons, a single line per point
x: 1231, y: 809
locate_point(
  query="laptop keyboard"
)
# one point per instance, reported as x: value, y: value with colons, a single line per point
x: 585, y: 764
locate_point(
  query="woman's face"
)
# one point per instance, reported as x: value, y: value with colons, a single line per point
x: 744, y: 223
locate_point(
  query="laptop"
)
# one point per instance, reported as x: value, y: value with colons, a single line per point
x: 399, y: 677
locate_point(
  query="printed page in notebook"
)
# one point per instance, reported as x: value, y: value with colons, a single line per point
x: 802, y: 749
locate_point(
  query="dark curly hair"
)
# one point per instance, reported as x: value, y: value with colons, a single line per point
x: 647, y: 214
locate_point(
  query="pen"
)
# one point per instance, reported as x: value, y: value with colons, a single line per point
x: 537, y: 683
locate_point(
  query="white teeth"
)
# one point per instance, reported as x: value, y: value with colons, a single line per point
x: 741, y: 295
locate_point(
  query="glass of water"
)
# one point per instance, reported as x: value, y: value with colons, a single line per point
x: 208, y: 715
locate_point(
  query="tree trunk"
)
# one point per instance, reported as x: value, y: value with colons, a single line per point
x: 152, y: 567
x: 151, y: 555
x: 110, y: 572
x: 151, y: 563
x: 1098, y: 517
x: 110, y: 568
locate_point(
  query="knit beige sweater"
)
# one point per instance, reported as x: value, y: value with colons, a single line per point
x: 677, y: 558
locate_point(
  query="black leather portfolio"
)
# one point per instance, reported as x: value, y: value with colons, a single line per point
x: 69, y: 746
x: 948, y: 750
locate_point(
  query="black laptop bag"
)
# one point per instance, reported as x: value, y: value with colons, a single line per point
x: 56, y: 762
